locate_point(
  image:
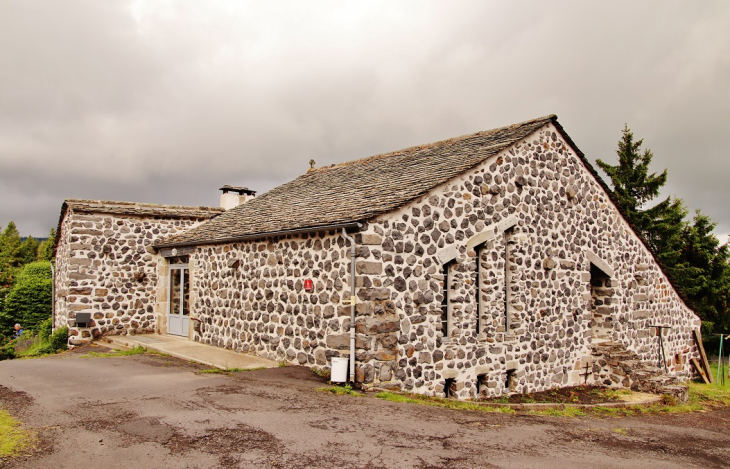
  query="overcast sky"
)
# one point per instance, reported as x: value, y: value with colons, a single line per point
x: 166, y: 101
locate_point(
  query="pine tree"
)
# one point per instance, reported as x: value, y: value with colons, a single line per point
x: 693, y: 255
x: 635, y: 189
x: 28, y: 250
x: 45, y: 250
x: 10, y: 255
x: 703, y: 272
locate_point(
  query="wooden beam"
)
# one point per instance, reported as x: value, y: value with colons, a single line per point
x: 705, y: 362
x: 699, y: 370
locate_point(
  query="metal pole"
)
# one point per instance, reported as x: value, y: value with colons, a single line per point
x: 719, y: 362
x: 352, y: 304
x: 53, y: 297
x: 662, y: 356
x: 661, y: 347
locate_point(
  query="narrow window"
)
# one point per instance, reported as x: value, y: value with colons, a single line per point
x: 478, y: 288
x: 445, y: 310
x: 449, y: 386
x: 507, y: 278
x: 510, y: 381
x: 481, y: 381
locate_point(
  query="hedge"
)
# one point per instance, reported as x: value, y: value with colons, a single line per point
x: 29, y: 300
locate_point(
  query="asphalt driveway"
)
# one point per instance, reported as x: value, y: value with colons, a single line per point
x: 148, y: 411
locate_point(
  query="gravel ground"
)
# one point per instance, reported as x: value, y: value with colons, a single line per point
x: 148, y: 411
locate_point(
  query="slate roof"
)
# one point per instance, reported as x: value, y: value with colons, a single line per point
x: 356, y: 190
x: 133, y: 209
x: 140, y: 209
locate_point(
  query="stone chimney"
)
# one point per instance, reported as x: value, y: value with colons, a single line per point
x: 235, y: 196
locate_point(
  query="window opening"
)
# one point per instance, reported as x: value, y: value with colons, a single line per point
x: 479, y: 250
x: 445, y: 310
x: 510, y: 381
x: 600, y: 305
x: 507, y: 277
x: 449, y: 387
x: 481, y: 381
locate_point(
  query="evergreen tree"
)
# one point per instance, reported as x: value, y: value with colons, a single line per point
x: 692, y: 254
x: 10, y: 255
x: 45, y: 250
x: 28, y: 250
x: 703, y: 272
x: 635, y: 189
x: 29, y: 301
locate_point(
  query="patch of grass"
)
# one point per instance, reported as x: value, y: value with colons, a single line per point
x: 620, y: 431
x: 560, y: 412
x: 282, y: 364
x: 229, y: 370
x: 713, y: 367
x: 439, y: 402
x: 712, y: 395
x: 13, y: 437
x: 323, y: 373
x: 340, y: 390
x: 136, y: 350
x: 616, y: 393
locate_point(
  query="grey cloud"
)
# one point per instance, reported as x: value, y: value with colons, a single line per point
x: 164, y: 102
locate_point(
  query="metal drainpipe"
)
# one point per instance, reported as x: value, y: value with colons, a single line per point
x: 53, y: 297
x: 352, y: 304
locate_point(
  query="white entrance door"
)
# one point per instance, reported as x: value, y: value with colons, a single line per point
x: 178, y: 315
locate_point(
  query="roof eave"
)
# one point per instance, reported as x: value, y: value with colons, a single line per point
x: 262, y: 235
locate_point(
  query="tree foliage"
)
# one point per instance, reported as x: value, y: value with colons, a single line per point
x: 703, y: 272
x: 25, y: 292
x: 693, y: 255
x: 10, y: 255
x: 636, y: 188
x: 29, y: 300
x: 45, y: 249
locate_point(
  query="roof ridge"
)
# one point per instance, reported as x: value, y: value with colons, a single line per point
x: 122, y: 203
x: 436, y: 144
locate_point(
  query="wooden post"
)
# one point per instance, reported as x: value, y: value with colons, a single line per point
x: 699, y: 370
x: 705, y: 362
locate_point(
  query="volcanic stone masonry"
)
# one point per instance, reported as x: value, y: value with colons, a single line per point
x: 106, y: 267
x: 539, y: 265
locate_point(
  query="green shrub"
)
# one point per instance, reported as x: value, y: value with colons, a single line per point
x: 59, y: 339
x: 45, y: 329
x: 29, y: 301
x: 7, y: 351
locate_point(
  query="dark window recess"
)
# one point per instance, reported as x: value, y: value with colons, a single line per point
x: 478, y: 289
x: 509, y: 383
x: 445, y: 301
x: 507, y: 277
x: 449, y: 387
x: 481, y: 385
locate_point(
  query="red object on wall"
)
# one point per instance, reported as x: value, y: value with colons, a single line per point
x: 308, y: 285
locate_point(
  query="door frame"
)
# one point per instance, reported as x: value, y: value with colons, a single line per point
x: 184, y: 316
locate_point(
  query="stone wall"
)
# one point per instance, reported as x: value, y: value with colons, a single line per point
x: 251, y: 297
x: 538, y: 220
x: 538, y: 206
x: 105, y: 267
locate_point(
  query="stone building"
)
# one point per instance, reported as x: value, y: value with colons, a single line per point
x: 105, y: 264
x: 488, y: 263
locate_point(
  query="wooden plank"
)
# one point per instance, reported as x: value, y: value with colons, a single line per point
x: 181, y: 251
x: 705, y: 362
x: 699, y: 370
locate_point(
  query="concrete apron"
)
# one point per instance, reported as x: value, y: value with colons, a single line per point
x: 181, y: 347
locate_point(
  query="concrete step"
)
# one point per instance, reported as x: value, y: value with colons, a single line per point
x: 188, y: 350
